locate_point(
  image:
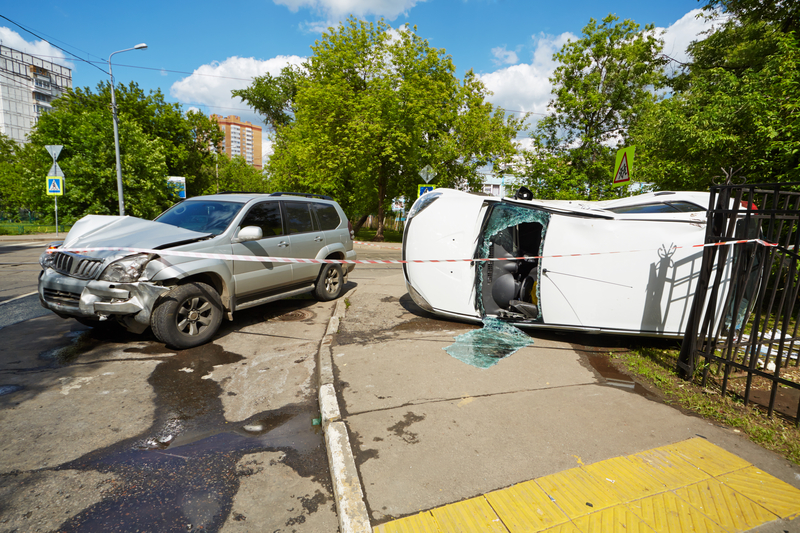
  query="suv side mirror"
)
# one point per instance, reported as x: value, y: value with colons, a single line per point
x: 249, y: 233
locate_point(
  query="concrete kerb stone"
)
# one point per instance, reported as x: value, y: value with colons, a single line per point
x: 350, y: 506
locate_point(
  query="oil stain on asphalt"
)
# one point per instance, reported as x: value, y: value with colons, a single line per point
x: 181, y: 474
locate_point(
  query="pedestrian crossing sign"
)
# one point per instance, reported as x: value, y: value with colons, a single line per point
x: 55, y: 187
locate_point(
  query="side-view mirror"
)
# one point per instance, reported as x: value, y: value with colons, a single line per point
x: 249, y: 233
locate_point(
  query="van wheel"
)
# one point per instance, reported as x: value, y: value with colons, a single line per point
x: 187, y: 316
x: 329, y: 283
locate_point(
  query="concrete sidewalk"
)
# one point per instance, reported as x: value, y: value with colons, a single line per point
x: 435, y: 436
x: 34, y: 237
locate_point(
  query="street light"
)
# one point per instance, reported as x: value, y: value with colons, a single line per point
x: 141, y: 46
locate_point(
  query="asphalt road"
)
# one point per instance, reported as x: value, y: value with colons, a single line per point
x: 19, y: 270
x: 105, y: 430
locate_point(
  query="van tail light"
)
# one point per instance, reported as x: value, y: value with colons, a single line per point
x: 350, y: 228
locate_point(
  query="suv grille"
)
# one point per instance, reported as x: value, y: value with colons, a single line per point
x: 64, y: 297
x: 77, y: 266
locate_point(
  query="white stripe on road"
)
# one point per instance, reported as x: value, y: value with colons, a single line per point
x: 19, y: 298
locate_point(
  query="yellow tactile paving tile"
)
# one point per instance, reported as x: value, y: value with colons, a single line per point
x: 577, y: 492
x: 625, y: 477
x: 470, y: 515
x: 525, y: 508
x: 666, y: 513
x: 568, y: 527
x: 420, y: 523
x: 668, y: 467
x: 706, y: 456
x: 617, y: 519
x: 698, y: 487
x: 725, y: 506
x: 766, y: 490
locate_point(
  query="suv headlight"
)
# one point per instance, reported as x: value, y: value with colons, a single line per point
x: 126, y: 270
x: 48, y: 259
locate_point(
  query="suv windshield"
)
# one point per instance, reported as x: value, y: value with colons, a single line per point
x: 203, y: 216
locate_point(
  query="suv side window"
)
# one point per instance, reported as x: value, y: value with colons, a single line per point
x: 298, y: 218
x: 267, y: 216
x: 327, y: 216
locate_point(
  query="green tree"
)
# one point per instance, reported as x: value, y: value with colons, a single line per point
x: 603, y: 84
x: 10, y: 186
x: 236, y: 174
x: 368, y: 110
x: 156, y: 141
x: 734, y: 106
x: 87, y: 159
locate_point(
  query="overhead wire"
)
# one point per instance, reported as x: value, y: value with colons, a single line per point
x: 51, y: 44
x: 249, y: 79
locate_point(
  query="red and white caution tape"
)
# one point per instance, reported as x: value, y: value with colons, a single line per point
x: 264, y: 259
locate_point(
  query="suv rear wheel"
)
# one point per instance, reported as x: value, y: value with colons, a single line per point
x: 329, y: 283
x: 187, y: 316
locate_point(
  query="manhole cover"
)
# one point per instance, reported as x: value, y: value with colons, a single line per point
x: 300, y: 314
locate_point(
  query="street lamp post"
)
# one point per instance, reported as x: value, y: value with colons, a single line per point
x: 141, y: 46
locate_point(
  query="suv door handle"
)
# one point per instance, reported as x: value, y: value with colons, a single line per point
x: 283, y: 244
x: 318, y: 239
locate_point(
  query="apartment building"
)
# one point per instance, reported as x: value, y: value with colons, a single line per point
x: 241, y: 138
x: 28, y: 85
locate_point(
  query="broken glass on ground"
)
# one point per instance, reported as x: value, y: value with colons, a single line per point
x: 485, y: 347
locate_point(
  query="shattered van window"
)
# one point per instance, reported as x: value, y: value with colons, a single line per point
x: 502, y: 217
x: 485, y: 347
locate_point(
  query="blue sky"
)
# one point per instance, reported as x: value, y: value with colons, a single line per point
x: 199, y: 51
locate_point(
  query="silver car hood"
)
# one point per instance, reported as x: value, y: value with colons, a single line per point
x: 96, y: 231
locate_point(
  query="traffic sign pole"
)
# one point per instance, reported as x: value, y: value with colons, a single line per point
x: 54, y: 181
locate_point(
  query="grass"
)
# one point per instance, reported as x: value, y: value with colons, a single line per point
x: 389, y: 235
x: 656, y: 366
x: 30, y: 229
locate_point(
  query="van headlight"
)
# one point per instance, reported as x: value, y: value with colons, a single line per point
x: 126, y: 270
x: 422, y: 202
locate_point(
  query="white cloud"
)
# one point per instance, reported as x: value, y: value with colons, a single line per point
x: 334, y: 10
x: 266, y: 149
x: 688, y: 28
x: 211, y: 85
x: 42, y: 49
x: 526, y: 87
x: 503, y: 56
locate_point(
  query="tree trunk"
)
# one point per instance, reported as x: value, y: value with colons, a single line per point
x: 360, y: 223
x: 381, y: 196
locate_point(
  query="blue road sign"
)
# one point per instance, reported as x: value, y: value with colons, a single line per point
x: 54, y: 186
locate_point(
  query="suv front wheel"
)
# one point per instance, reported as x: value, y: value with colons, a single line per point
x: 187, y: 316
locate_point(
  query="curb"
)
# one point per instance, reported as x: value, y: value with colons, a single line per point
x: 350, y: 506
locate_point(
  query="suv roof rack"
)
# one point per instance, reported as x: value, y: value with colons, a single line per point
x: 303, y: 194
x: 239, y: 192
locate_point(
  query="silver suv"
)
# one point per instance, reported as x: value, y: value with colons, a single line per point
x: 184, y: 298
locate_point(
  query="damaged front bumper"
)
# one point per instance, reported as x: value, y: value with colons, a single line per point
x: 131, y: 303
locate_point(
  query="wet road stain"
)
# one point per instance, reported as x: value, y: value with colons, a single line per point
x: 431, y: 324
x: 9, y: 389
x: 613, y: 377
x: 182, y: 473
x: 401, y: 428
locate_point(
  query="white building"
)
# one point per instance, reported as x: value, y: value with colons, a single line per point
x: 28, y: 84
x: 497, y: 186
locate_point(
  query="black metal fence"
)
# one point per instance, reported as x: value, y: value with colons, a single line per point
x: 743, y: 324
